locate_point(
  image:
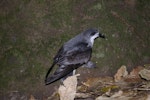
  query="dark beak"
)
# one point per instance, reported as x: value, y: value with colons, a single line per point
x: 101, y: 35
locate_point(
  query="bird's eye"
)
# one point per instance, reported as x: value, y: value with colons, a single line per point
x: 93, y: 33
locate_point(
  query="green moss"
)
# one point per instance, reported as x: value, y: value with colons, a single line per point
x: 109, y: 88
x: 31, y: 33
x: 59, y: 13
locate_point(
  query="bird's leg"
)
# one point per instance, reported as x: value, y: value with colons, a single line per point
x: 89, y: 64
x: 74, y: 72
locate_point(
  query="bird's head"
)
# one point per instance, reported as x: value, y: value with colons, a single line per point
x: 91, y: 34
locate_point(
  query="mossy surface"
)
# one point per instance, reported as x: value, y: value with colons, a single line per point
x: 32, y: 31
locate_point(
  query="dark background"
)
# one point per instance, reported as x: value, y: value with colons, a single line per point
x: 31, y: 32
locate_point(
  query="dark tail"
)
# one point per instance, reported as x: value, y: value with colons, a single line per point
x: 46, y: 77
x: 61, y: 72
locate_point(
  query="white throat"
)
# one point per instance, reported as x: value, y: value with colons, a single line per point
x: 93, y: 38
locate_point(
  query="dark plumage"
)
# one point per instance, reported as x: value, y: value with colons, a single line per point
x: 73, y: 54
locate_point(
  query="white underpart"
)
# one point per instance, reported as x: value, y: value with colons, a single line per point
x: 93, y: 38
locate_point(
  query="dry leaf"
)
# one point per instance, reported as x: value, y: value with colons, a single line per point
x: 32, y: 97
x: 145, y: 73
x: 68, y: 90
x: 134, y: 75
x: 135, y: 72
x: 121, y: 73
x: 148, y: 97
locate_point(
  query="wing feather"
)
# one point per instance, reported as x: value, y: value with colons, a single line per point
x: 78, y: 54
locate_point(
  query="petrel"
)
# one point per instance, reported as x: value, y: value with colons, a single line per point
x: 73, y: 54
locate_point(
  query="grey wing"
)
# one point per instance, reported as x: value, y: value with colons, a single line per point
x: 78, y: 54
x: 70, y: 60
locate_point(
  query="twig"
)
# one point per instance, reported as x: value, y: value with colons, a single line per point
x: 83, y: 95
x: 142, y: 89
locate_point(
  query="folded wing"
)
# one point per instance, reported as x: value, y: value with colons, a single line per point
x: 68, y: 60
